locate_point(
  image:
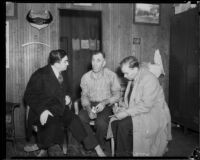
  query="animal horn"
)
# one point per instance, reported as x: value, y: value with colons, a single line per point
x: 39, y: 20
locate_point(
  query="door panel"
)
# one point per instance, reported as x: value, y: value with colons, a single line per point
x: 184, y: 70
x: 177, y: 66
x: 76, y: 25
x: 192, y: 81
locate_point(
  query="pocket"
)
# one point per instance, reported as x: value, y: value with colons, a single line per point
x: 151, y: 126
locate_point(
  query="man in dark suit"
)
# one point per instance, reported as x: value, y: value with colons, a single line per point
x: 46, y: 94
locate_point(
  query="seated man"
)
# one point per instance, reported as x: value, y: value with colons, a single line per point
x: 141, y: 126
x: 46, y: 94
x: 100, y: 89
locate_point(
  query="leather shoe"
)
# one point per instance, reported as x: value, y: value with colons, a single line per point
x: 31, y: 148
x: 55, y: 150
x: 42, y: 153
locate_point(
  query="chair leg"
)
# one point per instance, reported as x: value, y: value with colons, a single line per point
x: 112, y: 147
x: 65, y: 145
x: 13, y: 141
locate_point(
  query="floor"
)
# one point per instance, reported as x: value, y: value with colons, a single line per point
x: 182, y: 145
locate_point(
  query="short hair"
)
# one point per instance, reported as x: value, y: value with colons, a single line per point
x: 56, y: 56
x: 99, y: 52
x: 131, y: 61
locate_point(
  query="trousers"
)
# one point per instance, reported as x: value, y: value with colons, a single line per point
x: 101, y: 126
x: 53, y: 131
x: 123, y: 136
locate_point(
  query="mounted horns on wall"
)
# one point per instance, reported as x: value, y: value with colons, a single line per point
x: 39, y: 20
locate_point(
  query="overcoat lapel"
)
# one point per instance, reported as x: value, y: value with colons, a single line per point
x: 52, y: 76
x: 134, y: 91
x: 126, y: 93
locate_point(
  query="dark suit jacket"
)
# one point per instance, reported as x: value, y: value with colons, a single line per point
x: 44, y: 92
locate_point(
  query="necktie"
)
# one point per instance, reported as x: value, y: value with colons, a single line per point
x: 130, y: 91
x: 60, y: 78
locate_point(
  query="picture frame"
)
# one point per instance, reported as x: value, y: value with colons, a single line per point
x: 11, y: 10
x: 146, y: 13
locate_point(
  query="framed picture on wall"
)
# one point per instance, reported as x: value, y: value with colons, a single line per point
x: 145, y: 13
x: 11, y: 10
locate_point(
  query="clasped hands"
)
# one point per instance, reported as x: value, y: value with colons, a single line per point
x: 44, y: 115
x: 119, y: 112
x: 97, y: 109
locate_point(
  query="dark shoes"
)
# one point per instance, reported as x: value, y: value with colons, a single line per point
x: 55, y: 151
x: 42, y: 153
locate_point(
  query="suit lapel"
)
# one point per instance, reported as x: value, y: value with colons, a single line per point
x: 52, y: 77
x: 135, y: 88
x: 126, y: 93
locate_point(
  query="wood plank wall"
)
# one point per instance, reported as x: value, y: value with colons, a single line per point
x: 118, y: 31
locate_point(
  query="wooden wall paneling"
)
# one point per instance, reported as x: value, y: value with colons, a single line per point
x: 25, y: 49
x: 54, y: 27
x: 114, y: 35
x: 15, y: 61
x: 8, y: 70
x: 11, y: 93
x: 106, y: 31
x: 117, y: 35
x: 20, y: 130
x: 126, y: 16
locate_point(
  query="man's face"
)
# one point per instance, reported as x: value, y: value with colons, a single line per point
x: 62, y: 65
x: 129, y: 73
x: 98, y: 62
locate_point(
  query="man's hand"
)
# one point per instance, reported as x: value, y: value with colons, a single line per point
x: 67, y: 100
x: 117, y: 109
x: 122, y: 104
x: 121, y: 115
x: 44, y: 116
x: 100, y: 107
x: 92, y: 115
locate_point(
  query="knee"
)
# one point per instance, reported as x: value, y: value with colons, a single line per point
x: 114, y: 125
x: 83, y: 115
x: 53, y: 121
x: 100, y: 123
x: 122, y: 125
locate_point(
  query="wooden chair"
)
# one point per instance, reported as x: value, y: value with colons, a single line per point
x: 10, y: 123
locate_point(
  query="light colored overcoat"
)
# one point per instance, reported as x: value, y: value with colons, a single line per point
x: 150, y: 115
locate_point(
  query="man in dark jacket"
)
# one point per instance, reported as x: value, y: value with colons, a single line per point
x: 46, y: 94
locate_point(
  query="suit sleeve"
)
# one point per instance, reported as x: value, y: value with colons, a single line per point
x: 33, y: 93
x: 149, y: 93
x: 67, y: 86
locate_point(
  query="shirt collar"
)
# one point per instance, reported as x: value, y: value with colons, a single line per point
x: 101, y: 75
x: 55, y: 71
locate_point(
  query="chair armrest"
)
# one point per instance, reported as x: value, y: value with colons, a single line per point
x: 76, y: 107
x: 10, y: 108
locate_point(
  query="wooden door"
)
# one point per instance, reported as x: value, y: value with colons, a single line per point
x: 191, y: 116
x: 80, y: 36
x: 183, y: 76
